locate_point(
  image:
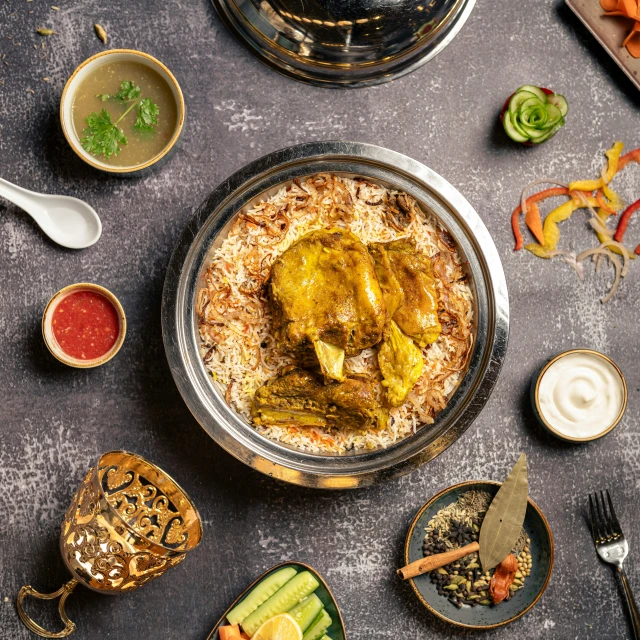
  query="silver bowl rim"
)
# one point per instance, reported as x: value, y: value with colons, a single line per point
x: 179, y: 325
x: 337, y: 77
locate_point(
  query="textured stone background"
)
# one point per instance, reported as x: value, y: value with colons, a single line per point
x: 56, y: 421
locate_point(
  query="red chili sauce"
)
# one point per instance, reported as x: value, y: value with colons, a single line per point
x: 85, y: 325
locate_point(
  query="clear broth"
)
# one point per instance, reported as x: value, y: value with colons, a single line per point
x: 140, y: 147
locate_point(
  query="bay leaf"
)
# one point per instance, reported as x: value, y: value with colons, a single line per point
x: 502, y: 523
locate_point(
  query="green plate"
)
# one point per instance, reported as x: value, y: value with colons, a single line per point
x: 481, y: 617
x: 336, y: 631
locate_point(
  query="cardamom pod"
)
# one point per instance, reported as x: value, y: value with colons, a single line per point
x: 101, y: 33
x: 451, y: 587
x: 45, y: 32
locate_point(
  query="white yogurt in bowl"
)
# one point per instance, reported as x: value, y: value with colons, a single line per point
x: 580, y: 395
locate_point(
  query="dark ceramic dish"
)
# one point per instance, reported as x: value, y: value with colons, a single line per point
x: 336, y: 631
x: 482, y: 617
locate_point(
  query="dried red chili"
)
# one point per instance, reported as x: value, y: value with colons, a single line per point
x: 503, y: 578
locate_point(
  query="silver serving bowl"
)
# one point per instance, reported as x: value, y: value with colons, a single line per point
x: 344, y: 44
x: 205, y: 232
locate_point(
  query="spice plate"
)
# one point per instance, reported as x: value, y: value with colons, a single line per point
x: 336, y: 631
x: 482, y: 617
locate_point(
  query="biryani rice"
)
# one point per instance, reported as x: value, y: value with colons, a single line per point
x: 239, y: 349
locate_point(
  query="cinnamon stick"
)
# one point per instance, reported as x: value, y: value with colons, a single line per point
x: 424, y: 565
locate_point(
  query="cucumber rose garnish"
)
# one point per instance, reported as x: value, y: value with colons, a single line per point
x: 532, y: 114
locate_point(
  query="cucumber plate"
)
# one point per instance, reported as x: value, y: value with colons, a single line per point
x: 308, y: 606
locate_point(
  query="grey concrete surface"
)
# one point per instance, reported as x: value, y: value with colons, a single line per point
x: 56, y: 421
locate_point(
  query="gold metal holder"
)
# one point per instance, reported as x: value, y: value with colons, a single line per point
x: 128, y: 523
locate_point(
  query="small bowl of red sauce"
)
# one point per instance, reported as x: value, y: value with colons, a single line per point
x: 84, y: 325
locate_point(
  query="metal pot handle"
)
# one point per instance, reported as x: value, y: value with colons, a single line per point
x: 63, y: 593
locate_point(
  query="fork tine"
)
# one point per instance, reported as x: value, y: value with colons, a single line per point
x: 595, y: 528
x: 602, y: 516
x: 614, y: 519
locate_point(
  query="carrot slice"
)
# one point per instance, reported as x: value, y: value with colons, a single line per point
x: 628, y: 7
x: 228, y: 632
x: 536, y: 197
x: 534, y: 222
x: 632, y: 41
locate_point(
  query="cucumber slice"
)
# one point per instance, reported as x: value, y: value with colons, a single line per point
x: 529, y: 103
x: 517, y: 99
x: 555, y: 115
x: 306, y: 611
x: 293, y: 592
x: 260, y: 593
x: 517, y: 126
x: 537, y: 91
x: 559, y: 101
x: 511, y: 131
x: 535, y: 117
x: 549, y: 134
x: 318, y: 627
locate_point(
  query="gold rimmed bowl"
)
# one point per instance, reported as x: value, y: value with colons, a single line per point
x: 75, y: 81
x: 128, y: 523
x: 337, y: 629
x: 49, y: 336
x: 482, y: 617
x: 535, y: 396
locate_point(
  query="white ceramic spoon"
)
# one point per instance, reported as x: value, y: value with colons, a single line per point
x: 68, y: 221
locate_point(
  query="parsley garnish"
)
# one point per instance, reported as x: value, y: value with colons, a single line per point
x: 102, y: 137
x: 147, y: 115
x: 128, y: 91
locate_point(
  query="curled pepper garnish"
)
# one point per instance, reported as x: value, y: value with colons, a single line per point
x: 613, y: 156
x: 551, y: 230
x: 624, y: 220
x: 536, y: 197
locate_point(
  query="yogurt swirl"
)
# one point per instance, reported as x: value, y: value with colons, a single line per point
x: 581, y: 395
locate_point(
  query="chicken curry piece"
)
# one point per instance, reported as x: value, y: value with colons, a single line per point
x: 325, y: 297
x: 409, y: 289
x: 400, y: 362
x: 301, y: 397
